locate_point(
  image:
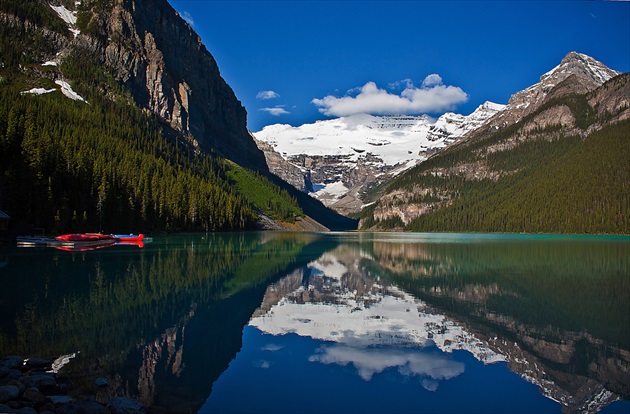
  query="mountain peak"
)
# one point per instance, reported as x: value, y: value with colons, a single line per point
x: 581, y: 65
x: 586, y: 75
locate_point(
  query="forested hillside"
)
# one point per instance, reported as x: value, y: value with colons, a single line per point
x: 531, y: 176
x: 101, y: 162
x: 99, y: 111
x: 72, y: 166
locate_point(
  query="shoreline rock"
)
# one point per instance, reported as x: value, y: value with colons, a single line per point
x: 30, y: 386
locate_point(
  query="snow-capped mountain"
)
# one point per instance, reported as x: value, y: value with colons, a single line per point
x: 451, y: 126
x: 577, y: 98
x: 586, y: 75
x: 339, y: 158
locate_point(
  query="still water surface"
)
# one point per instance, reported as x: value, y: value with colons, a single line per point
x: 334, y: 323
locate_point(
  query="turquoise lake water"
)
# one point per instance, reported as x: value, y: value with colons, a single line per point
x: 334, y: 322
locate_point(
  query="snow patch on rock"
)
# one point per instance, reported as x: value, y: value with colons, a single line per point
x: 66, y: 89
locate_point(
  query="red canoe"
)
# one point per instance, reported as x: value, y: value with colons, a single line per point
x: 85, y: 237
x: 128, y: 237
x: 139, y: 244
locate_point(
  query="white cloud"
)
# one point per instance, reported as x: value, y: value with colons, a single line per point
x: 264, y: 95
x: 261, y: 364
x: 275, y: 111
x: 433, y: 96
x: 432, y: 80
x: 410, y: 363
x: 188, y: 18
x: 407, y: 83
x: 271, y: 347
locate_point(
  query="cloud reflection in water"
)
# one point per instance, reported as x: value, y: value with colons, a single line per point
x: 409, y: 362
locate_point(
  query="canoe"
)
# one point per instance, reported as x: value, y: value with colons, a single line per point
x: 83, y: 246
x: 85, y: 237
x: 139, y: 244
x: 128, y: 237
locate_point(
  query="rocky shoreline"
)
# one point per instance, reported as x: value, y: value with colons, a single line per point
x: 33, y: 386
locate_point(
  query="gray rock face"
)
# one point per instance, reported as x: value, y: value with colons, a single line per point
x: 163, y: 63
x: 576, y: 74
x: 613, y: 98
x: 292, y: 174
x: 340, y: 160
x: 149, y: 49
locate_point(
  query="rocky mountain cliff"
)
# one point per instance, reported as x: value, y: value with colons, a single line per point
x: 577, y: 73
x: 564, y: 137
x: 114, y: 115
x: 337, y: 161
x: 159, y: 59
x: 164, y: 64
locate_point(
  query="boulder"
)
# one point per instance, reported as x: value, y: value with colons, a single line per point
x: 48, y: 407
x: 91, y: 407
x: 12, y: 361
x: 33, y: 395
x: 13, y: 374
x: 18, y: 384
x: 8, y: 374
x: 122, y: 405
x: 60, y: 399
x: 101, y: 382
x: 39, y: 363
x: 25, y: 410
x: 8, y: 393
x: 41, y: 381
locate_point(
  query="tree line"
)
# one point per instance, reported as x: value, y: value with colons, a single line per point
x: 551, y: 182
x: 106, y: 165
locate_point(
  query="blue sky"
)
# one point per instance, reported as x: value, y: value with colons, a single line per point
x: 294, y: 62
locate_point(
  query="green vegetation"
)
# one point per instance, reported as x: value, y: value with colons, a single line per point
x: 70, y: 166
x: 90, y: 16
x: 549, y: 182
x: 572, y: 285
x: 36, y: 12
x: 570, y: 186
x: 274, y: 202
x: 108, y: 301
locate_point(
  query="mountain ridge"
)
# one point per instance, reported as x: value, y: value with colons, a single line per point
x: 150, y: 122
x: 337, y: 160
x: 480, y: 182
x: 160, y: 59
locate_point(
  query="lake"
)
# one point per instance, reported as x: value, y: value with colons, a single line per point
x: 333, y: 322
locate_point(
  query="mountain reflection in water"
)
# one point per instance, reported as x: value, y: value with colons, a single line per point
x: 193, y: 322
x: 377, y: 303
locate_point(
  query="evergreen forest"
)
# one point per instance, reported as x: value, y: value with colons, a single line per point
x: 104, y: 164
x: 551, y: 181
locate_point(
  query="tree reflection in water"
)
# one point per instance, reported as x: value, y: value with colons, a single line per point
x: 164, y: 322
